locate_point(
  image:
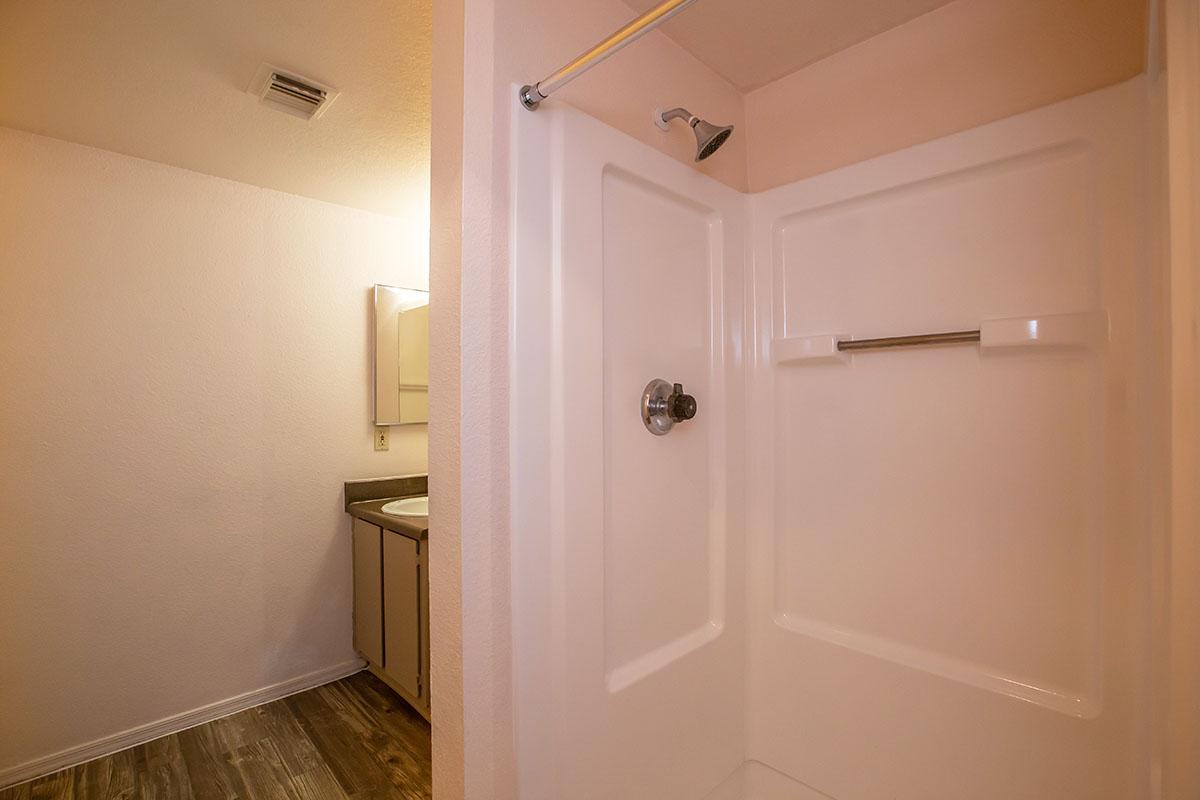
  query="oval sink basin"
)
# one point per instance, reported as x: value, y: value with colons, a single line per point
x: 408, y: 507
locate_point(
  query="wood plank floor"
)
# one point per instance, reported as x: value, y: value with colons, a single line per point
x: 351, y: 739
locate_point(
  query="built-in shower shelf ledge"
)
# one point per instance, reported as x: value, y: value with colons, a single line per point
x: 1078, y: 331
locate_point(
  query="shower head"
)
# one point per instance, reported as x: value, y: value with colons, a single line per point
x: 709, y: 137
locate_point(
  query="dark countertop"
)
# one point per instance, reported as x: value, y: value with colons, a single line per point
x: 365, y: 499
x: 369, y: 511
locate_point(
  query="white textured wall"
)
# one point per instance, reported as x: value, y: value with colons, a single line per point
x: 184, y: 385
x: 446, y: 214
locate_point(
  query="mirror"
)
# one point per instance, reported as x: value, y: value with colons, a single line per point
x: 401, y: 356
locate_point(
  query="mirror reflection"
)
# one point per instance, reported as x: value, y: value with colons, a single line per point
x: 401, y: 356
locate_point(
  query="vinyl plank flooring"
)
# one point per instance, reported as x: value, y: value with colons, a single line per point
x: 112, y: 778
x: 402, y: 769
x: 318, y: 784
x: 262, y: 772
x: 18, y: 792
x: 399, y: 718
x: 298, y: 753
x: 239, y: 730
x: 396, y: 759
x: 340, y: 743
x: 209, y: 772
x: 354, y: 739
x: 59, y: 786
x: 161, y: 771
x: 405, y: 753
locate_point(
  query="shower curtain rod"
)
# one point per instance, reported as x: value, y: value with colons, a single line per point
x: 532, y: 95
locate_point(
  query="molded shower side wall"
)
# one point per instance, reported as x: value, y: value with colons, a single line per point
x: 904, y: 574
x: 628, y: 577
x: 949, y: 548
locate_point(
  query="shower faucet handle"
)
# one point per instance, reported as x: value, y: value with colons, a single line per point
x: 680, y: 406
x: 664, y: 404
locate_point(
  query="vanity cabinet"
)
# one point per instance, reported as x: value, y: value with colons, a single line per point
x: 391, y: 609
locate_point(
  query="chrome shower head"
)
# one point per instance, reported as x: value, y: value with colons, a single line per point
x: 709, y: 137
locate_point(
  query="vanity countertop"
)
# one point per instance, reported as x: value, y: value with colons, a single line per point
x: 371, y: 511
x: 365, y: 500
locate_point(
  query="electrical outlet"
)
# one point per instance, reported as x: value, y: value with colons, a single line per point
x: 381, y: 437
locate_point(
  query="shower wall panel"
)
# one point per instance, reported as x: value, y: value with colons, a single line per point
x: 911, y: 574
x: 628, y: 570
x: 949, y: 580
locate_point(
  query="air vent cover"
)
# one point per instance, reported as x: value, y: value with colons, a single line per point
x: 291, y: 93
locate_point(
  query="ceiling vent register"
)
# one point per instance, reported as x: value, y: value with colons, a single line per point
x: 290, y: 93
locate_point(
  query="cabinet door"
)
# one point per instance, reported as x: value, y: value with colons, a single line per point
x: 402, y: 612
x: 368, y: 591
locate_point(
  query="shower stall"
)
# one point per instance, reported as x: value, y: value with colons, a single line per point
x: 910, y: 545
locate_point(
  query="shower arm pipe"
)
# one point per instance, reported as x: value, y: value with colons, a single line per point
x: 532, y: 95
x: 680, y: 113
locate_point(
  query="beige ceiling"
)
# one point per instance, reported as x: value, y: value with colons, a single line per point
x: 166, y: 80
x: 753, y: 42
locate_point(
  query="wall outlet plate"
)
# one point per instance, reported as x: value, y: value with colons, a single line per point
x: 381, y: 437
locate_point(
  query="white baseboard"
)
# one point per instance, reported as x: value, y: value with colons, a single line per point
x: 107, y: 745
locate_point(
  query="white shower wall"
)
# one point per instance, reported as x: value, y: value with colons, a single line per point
x: 901, y: 574
x: 628, y: 577
x: 949, y: 573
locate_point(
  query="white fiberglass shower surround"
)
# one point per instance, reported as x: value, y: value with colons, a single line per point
x: 916, y: 573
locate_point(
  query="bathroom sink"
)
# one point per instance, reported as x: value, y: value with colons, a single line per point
x: 408, y: 507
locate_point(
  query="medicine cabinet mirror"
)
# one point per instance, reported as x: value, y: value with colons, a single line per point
x: 401, y: 356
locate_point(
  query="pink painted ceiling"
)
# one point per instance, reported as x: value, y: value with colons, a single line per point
x: 753, y: 42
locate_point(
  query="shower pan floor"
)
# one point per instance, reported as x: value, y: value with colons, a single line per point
x: 754, y: 780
